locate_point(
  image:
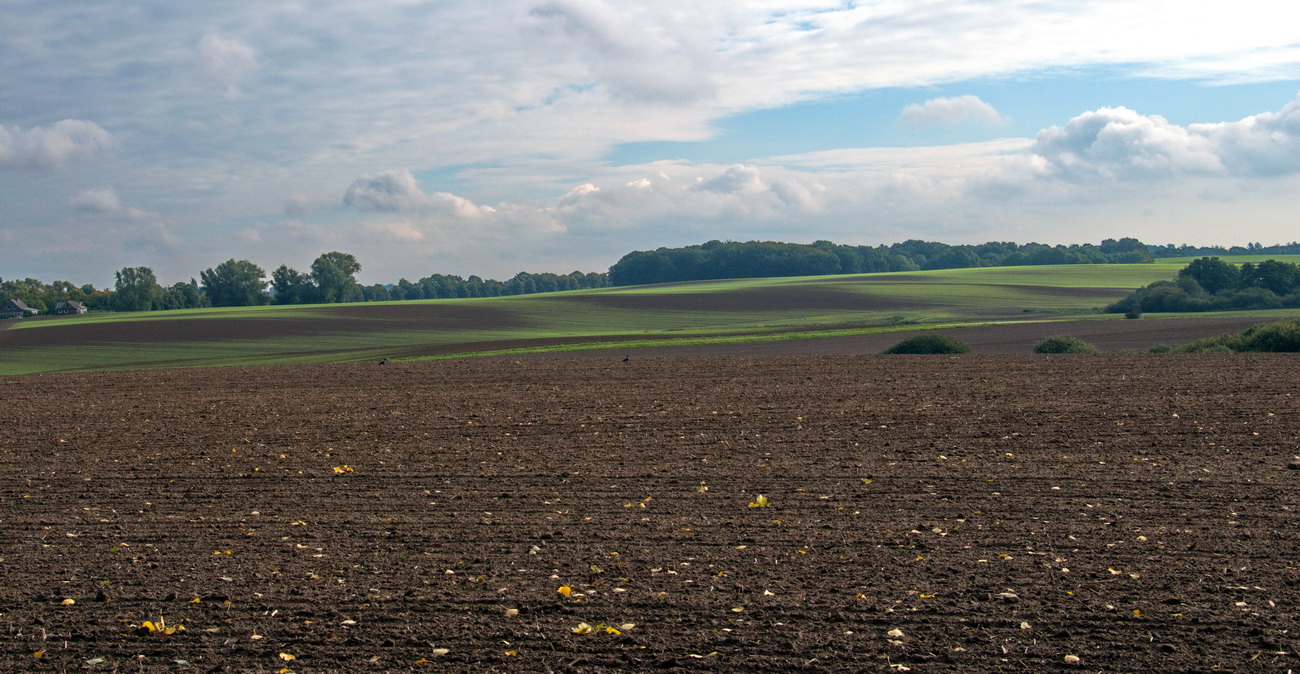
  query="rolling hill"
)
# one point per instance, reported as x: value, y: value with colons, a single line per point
x: 744, y: 311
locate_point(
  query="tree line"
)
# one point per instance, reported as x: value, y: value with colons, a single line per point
x: 1184, y: 250
x: 753, y: 259
x: 331, y: 279
x: 1212, y: 284
x: 332, y: 276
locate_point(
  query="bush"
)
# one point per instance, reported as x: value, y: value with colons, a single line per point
x: 1275, y: 337
x: 1220, y: 344
x: 928, y: 343
x: 1064, y: 344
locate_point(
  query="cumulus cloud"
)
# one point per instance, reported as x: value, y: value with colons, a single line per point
x: 105, y: 201
x: 1118, y: 143
x: 388, y: 191
x: 50, y: 147
x: 1267, y: 144
x: 397, y: 191
x: 736, y: 179
x: 950, y: 111
x: 226, y: 60
x: 684, y: 193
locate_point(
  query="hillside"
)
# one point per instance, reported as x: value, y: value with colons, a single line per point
x: 694, y: 313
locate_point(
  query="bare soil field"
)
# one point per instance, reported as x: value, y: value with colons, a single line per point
x: 917, y: 513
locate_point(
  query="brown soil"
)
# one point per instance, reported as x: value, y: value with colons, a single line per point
x: 1016, y: 337
x: 974, y: 513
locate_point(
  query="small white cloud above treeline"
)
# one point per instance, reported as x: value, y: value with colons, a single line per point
x: 50, y: 147
x: 951, y: 111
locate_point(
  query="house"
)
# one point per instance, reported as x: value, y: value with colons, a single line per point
x: 16, y: 309
x: 70, y: 307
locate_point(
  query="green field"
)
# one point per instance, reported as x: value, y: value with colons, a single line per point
x: 623, y: 318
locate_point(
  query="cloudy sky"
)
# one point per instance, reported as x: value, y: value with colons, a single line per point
x: 472, y: 137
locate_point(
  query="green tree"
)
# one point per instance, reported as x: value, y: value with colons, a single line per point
x: 1279, y: 277
x: 377, y: 293
x: 183, y: 296
x: 1213, y: 274
x: 136, y: 289
x: 291, y: 286
x: 335, y: 277
x: 235, y: 283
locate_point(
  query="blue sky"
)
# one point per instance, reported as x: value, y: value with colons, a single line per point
x: 456, y: 136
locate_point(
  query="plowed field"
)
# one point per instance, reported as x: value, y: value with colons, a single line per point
x: 977, y: 513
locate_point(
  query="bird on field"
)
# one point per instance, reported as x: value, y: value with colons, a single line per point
x: 383, y: 362
x: 626, y: 358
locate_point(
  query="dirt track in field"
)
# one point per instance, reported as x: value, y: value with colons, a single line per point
x: 976, y: 513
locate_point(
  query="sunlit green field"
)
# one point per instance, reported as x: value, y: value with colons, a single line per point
x: 681, y: 313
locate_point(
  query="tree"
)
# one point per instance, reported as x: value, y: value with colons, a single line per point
x: 182, y: 296
x: 377, y: 293
x: 290, y: 286
x: 136, y: 289
x: 235, y: 283
x: 335, y: 277
x: 1279, y: 277
x: 1213, y: 274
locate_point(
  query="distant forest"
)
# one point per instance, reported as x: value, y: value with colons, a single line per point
x: 754, y: 259
x: 332, y: 277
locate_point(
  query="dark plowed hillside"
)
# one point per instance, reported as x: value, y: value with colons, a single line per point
x: 827, y: 514
x: 313, y: 322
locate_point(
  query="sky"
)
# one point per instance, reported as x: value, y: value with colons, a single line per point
x: 469, y: 137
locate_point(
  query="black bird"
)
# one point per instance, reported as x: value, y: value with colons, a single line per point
x: 384, y: 361
x: 626, y: 358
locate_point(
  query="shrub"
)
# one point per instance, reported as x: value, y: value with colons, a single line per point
x: 1161, y: 348
x: 1220, y: 344
x: 1064, y: 344
x: 1275, y: 337
x: 928, y: 343
x: 1134, y: 311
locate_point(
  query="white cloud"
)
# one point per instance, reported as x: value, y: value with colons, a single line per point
x: 387, y: 191
x: 736, y: 179
x: 50, y: 147
x: 1118, y: 143
x: 950, y: 111
x: 397, y: 190
x: 1267, y: 144
x: 226, y: 60
x: 640, y: 53
x: 98, y: 200
x: 105, y: 201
